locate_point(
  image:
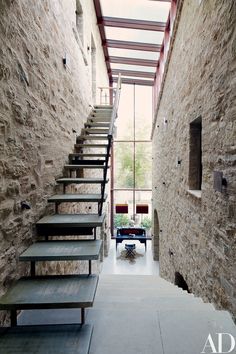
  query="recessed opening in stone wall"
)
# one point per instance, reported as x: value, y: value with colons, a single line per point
x: 156, y: 239
x: 180, y: 282
x: 195, y: 154
x: 79, y: 20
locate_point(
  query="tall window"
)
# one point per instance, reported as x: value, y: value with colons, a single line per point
x: 79, y: 20
x: 195, y: 155
x: 133, y: 156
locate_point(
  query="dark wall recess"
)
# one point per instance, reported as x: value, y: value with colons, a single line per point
x: 180, y: 282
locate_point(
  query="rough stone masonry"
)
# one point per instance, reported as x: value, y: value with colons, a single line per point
x: 195, y: 230
x: 42, y: 101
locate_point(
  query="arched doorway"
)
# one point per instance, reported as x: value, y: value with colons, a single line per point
x: 156, y: 240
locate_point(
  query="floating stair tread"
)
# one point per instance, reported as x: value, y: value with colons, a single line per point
x: 75, y: 167
x: 62, y: 251
x: 81, y: 180
x: 81, y: 154
x: 95, y: 130
x: 103, y: 106
x: 67, y: 198
x: 91, y: 145
x: 47, y: 339
x: 51, y: 292
x: 100, y: 118
x: 72, y: 220
x: 97, y: 125
x: 92, y: 137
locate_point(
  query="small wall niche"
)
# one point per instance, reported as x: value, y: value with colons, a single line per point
x: 180, y: 282
x: 195, y: 154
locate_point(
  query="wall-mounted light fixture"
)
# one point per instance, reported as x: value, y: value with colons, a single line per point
x: 64, y: 60
x: 25, y: 205
x: 178, y: 162
x: 171, y: 253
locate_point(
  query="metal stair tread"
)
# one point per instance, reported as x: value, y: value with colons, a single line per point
x: 103, y: 106
x: 62, y: 250
x: 91, y: 145
x: 75, y: 167
x: 97, y: 125
x: 71, y: 220
x: 96, y: 130
x: 92, y: 137
x: 76, y: 198
x: 51, y: 292
x: 81, y: 154
x: 48, y: 339
x: 99, y: 118
x: 81, y: 180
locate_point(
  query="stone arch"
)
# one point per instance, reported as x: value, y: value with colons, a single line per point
x: 156, y: 236
x: 180, y: 282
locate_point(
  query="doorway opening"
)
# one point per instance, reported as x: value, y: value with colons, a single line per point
x: 180, y: 282
x: 156, y: 237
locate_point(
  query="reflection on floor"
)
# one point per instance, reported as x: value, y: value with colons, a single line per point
x: 141, y: 264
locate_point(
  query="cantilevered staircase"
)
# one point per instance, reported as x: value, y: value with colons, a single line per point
x: 35, y: 292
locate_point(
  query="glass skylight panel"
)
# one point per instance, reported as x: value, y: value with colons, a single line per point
x: 133, y: 35
x: 133, y: 54
x: 136, y: 9
x: 133, y: 67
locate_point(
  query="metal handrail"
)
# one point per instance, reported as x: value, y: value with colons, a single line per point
x: 110, y: 140
x: 115, y: 106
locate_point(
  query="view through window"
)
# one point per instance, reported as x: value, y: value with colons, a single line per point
x: 133, y: 156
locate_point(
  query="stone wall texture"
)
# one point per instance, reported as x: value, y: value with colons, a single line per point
x: 41, y: 102
x: 196, y: 232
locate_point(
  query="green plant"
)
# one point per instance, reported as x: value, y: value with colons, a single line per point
x: 146, y: 222
x: 121, y: 220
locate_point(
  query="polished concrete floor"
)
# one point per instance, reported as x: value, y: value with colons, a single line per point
x: 141, y: 264
x: 137, y: 312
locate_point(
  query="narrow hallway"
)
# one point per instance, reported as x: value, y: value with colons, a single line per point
x: 137, y: 312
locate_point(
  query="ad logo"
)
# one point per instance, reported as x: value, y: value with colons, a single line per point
x: 225, y: 344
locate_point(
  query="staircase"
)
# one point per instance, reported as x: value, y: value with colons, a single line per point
x: 146, y: 314
x: 73, y: 291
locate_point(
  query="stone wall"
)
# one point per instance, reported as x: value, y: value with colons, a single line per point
x: 41, y: 102
x: 197, y: 229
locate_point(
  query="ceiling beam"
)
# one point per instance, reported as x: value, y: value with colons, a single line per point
x: 132, y: 61
x: 135, y: 81
x: 98, y: 10
x: 149, y: 47
x: 143, y: 74
x: 132, y: 24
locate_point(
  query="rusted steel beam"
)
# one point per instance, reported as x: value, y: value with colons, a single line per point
x: 98, y: 10
x: 131, y: 23
x: 133, y: 73
x: 135, y: 81
x: 149, y: 47
x: 132, y: 61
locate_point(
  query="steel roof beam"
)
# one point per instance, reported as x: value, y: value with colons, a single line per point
x: 98, y: 10
x: 136, y: 82
x: 149, y: 47
x: 132, y: 24
x: 143, y: 74
x: 132, y: 61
